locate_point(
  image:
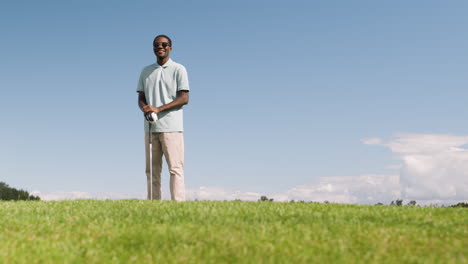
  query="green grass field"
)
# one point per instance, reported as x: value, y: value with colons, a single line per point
x: 134, y: 231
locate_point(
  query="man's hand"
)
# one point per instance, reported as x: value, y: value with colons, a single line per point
x: 145, y: 107
x: 150, y: 108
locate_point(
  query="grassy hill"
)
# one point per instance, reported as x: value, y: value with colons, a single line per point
x: 135, y: 231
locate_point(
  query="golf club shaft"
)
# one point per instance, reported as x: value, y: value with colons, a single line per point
x: 151, y: 160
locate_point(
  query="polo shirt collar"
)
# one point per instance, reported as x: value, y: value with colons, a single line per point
x: 168, y: 63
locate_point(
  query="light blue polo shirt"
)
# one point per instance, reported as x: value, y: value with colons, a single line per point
x: 160, y: 85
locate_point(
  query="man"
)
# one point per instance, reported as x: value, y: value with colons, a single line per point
x: 163, y: 88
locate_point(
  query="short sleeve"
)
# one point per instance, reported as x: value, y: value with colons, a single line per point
x: 182, y: 79
x: 140, y: 86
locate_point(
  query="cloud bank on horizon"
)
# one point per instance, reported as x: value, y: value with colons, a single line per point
x: 433, y: 169
x: 433, y: 166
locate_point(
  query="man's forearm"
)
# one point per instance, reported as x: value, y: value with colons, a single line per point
x: 141, y: 100
x: 181, y: 100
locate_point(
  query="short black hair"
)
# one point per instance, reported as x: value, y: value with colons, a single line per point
x: 163, y: 36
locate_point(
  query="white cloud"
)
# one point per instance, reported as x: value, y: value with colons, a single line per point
x: 394, y: 167
x: 202, y: 193
x: 364, y: 189
x: 433, y: 166
x: 433, y: 169
x: 372, y: 141
x: 412, y: 143
x: 62, y: 195
x: 220, y: 193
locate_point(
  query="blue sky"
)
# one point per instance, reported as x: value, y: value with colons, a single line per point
x: 283, y: 94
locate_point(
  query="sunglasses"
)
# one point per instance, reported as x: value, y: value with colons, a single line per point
x: 164, y: 44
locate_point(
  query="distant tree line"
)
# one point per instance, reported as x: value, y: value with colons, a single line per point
x: 463, y: 205
x: 263, y: 198
x: 397, y: 202
x: 11, y: 194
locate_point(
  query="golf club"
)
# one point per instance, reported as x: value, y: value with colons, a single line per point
x: 151, y: 117
x: 151, y: 161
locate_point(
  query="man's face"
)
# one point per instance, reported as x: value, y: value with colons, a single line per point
x: 161, y: 47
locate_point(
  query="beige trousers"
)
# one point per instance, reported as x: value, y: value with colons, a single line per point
x: 171, y: 145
